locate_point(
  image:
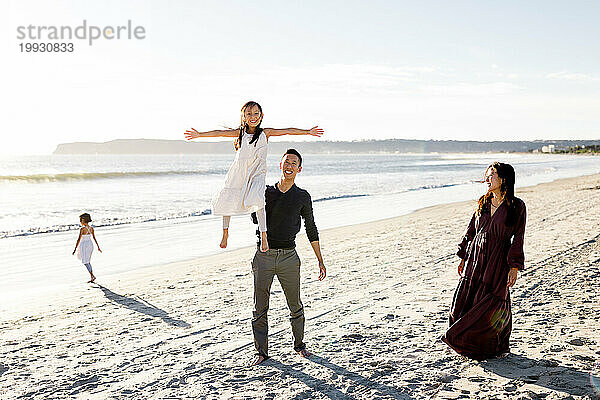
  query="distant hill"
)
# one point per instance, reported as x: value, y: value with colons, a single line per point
x: 153, y: 146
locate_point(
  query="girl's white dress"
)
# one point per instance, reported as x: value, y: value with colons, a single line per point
x: 85, y: 248
x: 244, y: 189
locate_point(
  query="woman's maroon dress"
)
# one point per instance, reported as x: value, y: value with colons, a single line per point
x: 480, y: 317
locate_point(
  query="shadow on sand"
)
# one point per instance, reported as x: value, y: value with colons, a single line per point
x: 318, y: 385
x: 142, y: 307
x: 545, y: 373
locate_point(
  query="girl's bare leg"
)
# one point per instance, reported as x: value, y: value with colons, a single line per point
x: 262, y: 227
x: 89, y: 268
x: 226, y: 220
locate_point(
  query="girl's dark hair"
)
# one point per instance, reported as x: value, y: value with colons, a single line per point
x: 507, y: 173
x: 244, y: 127
x: 85, y: 217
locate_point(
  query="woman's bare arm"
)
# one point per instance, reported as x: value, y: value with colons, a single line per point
x: 314, y: 131
x: 193, y: 134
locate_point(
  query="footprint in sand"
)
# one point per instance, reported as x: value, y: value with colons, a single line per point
x: 353, y: 337
x: 556, y: 348
x: 510, y: 387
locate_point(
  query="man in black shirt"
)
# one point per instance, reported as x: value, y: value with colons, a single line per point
x: 285, y: 203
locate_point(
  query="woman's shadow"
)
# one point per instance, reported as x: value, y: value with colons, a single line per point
x: 545, y: 373
x: 142, y: 307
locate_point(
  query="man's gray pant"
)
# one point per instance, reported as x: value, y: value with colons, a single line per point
x: 284, y: 263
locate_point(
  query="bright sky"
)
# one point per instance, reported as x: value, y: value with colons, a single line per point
x: 461, y: 70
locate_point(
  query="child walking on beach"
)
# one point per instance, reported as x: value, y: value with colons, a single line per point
x: 244, y: 188
x: 84, y: 245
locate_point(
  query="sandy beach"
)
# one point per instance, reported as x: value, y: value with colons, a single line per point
x: 182, y: 330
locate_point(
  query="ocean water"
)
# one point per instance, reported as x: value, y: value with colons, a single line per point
x: 155, y: 209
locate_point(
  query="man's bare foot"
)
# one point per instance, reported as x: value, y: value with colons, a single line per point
x: 224, y: 239
x: 264, y: 242
x: 304, y: 353
x: 257, y: 360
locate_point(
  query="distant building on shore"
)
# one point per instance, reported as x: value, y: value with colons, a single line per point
x: 577, y: 149
x: 548, y: 149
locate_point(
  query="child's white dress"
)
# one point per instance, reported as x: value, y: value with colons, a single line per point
x: 85, y: 248
x: 244, y: 189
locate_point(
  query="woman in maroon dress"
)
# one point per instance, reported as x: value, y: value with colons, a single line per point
x: 491, y: 253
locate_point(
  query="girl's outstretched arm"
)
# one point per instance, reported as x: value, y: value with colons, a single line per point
x: 193, y: 134
x: 78, y: 239
x: 314, y: 131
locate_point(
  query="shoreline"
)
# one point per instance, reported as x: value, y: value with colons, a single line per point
x: 235, y: 253
x: 409, y: 194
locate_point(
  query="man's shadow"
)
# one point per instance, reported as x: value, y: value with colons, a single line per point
x: 323, y: 387
x: 142, y: 307
x: 545, y: 373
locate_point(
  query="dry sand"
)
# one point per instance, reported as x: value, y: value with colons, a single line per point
x: 183, y: 330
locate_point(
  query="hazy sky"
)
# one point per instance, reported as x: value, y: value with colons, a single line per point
x: 463, y: 70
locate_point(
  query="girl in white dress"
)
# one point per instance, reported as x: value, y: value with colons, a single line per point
x: 244, y: 188
x: 84, y: 245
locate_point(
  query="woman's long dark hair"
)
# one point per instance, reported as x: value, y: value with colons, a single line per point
x: 507, y: 173
x: 244, y: 127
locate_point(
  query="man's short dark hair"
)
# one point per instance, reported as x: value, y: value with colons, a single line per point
x: 294, y: 152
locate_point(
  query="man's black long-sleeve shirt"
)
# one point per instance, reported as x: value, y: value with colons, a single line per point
x: 283, y: 211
